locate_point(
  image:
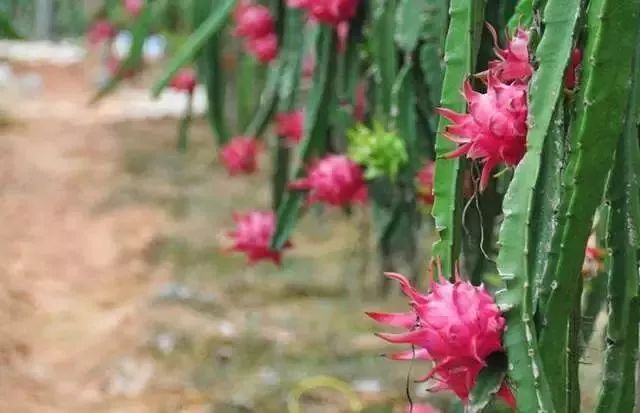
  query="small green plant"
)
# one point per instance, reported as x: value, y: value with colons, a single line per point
x: 380, y: 152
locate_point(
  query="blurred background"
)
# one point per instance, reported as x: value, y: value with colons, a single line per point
x: 117, y: 292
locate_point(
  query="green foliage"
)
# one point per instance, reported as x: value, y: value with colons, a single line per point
x: 447, y: 209
x: 598, y: 126
x: 381, y: 152
x: 528, y: 372
x: 624, y: 213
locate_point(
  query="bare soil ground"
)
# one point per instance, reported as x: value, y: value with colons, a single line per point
x: 116, y: 294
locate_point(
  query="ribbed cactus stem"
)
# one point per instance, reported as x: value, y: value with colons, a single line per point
x: 291, y: 56
x: 623, y: 242
x: 459, y: 61
x: 598, y: 126
x: 533, y: 393
x: 210, y: 68
x: 316, y: 125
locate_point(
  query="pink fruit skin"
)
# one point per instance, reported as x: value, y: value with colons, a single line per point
x: 265, y: 48
x: 252, y: 236
x: 100, y: 32
x: 290, y: 125
x: 456, y: 325
x: 334, y: 180
x: 425, y: 183
x: 133, y: 7
x: 256, y: 24
x: 495, y: 129
x: 239, y: 155
x: 513, y: 62
x: 184, y: 80
x: 253, y: 21
x: 331, y: 12
x: 571, y: 78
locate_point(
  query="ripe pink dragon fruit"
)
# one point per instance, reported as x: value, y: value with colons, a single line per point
x: 290, y: 125
x: 239, y: 155
x: 252, y: 236
x: 184, y: 80
x: 133, y: 7
x: 495, y: 129
x: 264, y: 48
x: 456, y: 325
x: 253, y: 21
x: 572, y: 76
x: 335, y: 180
x: 331, y: 12
x: 424, y: 180
x: 101, y: 31
x: 513, y: 62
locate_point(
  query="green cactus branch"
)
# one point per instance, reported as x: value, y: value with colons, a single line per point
x: 447, y: 208
x: 598, y: 126
x: 594, y: 292
x: 526, y: 370
x: 544, y: 218
x: 291, y: 56
x: 384, y: 53
x: 623, y: 196
x: 317, y: 114
x: 209, y: 64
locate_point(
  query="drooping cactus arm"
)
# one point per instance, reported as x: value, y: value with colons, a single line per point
x: 598, y: 126
x: 291, y: 65
x: 317, y: 113
x: 526, y: 371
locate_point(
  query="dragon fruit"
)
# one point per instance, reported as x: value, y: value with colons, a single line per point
x: 513, y: 62
x: 572, y: 76
x: 133, y: 7
x: 335, y: 180
x: 495, y: 129
x: 253, y: 21
x: 290, y: 125
x: 265, y: 48
x: 184, y: 80
x: 252, y: 236
x: 331, y: 12
x: 239, y: 155
x: 424, y: 180
x: 456, y: 325
x: 101, y: 31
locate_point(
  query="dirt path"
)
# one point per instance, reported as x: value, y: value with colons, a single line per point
x: 74, y: 281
